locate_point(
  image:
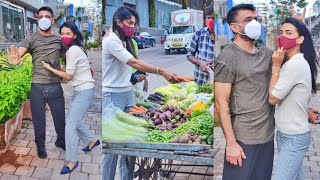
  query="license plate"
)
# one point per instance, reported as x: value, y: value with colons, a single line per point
x: 176, y: 44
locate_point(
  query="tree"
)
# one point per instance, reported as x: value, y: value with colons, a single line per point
x: 152, y: 13
x: 184, y: 4
x: 281, y: 10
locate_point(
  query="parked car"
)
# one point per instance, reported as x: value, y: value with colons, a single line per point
x: 144, y: 39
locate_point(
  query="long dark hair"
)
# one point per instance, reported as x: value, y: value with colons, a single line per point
x: 71, y: 25
x: 307, y: 49
x: 123, y: 13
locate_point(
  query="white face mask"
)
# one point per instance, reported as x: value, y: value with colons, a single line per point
x: 44, y: 24
x: 252, y: 29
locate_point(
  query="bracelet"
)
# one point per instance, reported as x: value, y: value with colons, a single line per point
x: 158, y: 70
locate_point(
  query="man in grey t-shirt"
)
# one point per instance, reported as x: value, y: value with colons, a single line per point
x: 242, y: 75
x: 45, y: 87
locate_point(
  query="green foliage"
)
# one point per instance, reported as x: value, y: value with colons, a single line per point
x: 14, y: 88
x: 152, y: 12
x: 282, y: 10
x: 93, y: 45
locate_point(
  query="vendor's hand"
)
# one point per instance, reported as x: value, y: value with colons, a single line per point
x: 302, y: 17
x: 47, y: 66
x: 141, y: 77
x: 235, y: 154
x: 13, y: 55
x: 311, y: 114
x: 169, y: 76
x: 203, y: 66
x: 278, y: 56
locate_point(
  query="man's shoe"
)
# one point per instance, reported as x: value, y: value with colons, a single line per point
x: 66, y: 169
x: 41, y: 152
x: 61, y: 145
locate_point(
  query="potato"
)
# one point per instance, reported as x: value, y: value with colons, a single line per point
x: 175, y: 139
x: 190, y: 142
x: 190, y: 132
x: 196, y: 142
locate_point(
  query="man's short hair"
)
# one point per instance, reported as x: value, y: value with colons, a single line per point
x: 209, y: 10
x: 46, y: 8
x: 232, y: 14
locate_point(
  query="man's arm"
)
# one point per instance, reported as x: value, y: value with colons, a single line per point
x: 234, y: 152
x: 192, y: 52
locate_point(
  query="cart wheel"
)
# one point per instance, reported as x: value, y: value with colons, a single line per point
x: 147, y: 168
x: 166, y: 166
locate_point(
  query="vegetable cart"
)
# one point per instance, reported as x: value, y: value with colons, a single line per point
x: 174, y: 123
x: 157, y: 158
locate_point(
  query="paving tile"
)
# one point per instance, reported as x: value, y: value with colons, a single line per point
x: 90, y: 168
x: 22, y: 150
x: 79, y: 176
x: 57, y: 176
x: 25, y: 171
x: 7, y: 169
x: 52, y: 154
x: 24, y: 160
x: 38, y: 162
x: 27, y: 178
x: 29, y: 137
x: 9, y: 177
x: 55, y: 164
x: 42, y: 173
x: 85, y: 158
x: 22, y: 143
x: 20, y: 136
x: 95, y: 177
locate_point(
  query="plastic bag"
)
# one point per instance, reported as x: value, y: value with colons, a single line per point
x: 211, y: 74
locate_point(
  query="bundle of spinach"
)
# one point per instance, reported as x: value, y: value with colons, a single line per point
x: 206, y: 88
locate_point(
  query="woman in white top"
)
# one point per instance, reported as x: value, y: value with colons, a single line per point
x: 118, y: 59
x: 79, y: 76
x: 293, y: 81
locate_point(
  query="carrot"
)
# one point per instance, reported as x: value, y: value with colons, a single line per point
x: 134, y: 110
x: 138, y: 108
x: 185, y: 79
x: 144, y: 109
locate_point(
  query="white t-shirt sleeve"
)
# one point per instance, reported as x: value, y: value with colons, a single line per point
x: 114, y: 47
x: 288, y: 78
x: 72, y: 58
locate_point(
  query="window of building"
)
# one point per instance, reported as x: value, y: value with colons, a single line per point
x: 11, y: 22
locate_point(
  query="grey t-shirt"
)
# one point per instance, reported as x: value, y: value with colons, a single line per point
x: 249, y: 73
x: 43, y: 48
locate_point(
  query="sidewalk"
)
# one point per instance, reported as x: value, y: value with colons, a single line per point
x: 311, y: 161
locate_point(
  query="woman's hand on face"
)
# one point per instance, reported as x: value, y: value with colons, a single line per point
x: 278, y: 56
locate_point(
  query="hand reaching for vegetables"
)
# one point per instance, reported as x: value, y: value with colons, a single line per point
x: 169, y: 76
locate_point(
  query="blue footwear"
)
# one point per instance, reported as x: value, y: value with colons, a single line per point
x: 87, y: 149
x: 66, y: 169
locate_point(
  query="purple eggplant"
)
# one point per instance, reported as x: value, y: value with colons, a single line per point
x: 157, y: 121
x: 182, y: 120
x: 163, y: 127
x: 177, y: 124
x: 171, y: 109
x: 163, y: 116
x: 169, y: 125
x: 169, y: 114
x: 177, y: 111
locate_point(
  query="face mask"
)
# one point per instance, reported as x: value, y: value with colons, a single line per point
x: 128, y: 31
x: 44, y: 24
x: 286, y: 43
x: 210, y: 23
x: 252, y: 29
x: 67, y: 41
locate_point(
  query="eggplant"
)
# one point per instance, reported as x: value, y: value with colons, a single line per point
x: 169, y: 115
x: 163, y: 127
x: 157, y: 121
x: 171, y: 109
x: 156, y: 97
x: 163, y: 116
x: 177, y: 111
x: 177, y: 124
x: 182, y: 120
x: 159, y: 94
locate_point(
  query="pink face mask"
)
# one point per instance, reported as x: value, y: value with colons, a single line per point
x: 67, y: 41
x: 286, y: 43
x: 210, y: 23
x: 128, y: 31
